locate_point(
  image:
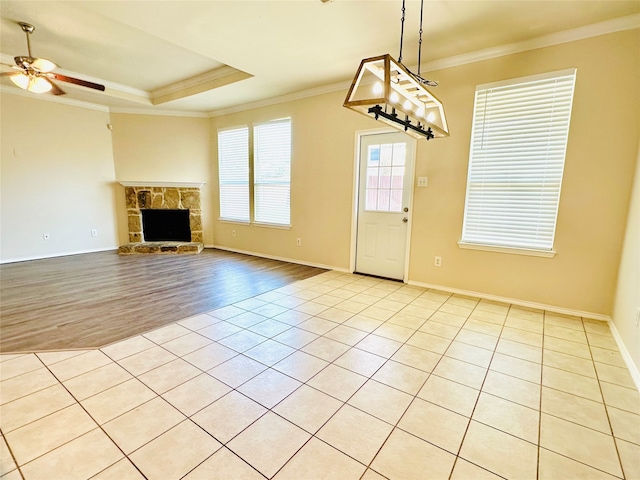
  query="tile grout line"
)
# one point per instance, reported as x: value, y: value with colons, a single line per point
x: 270, y: 409
x: 478, y: 397
x: 313, y: 435
x: 606, y: 410
x: 77, y: 402
x: 540, y: 447
x: 544, y: 318
x: 345, y: 402
x: 98, y: 426
x: 13, y: 457
x: 405, y: 343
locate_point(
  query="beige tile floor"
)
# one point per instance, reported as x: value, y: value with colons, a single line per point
x: 337, y: 376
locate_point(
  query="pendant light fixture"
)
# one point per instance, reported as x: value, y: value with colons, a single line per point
x: 386, y: 90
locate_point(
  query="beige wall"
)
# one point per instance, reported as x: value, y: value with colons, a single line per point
x: 57, y: 177
x: 323, y: 134
x: 596, y: 189
x: 627, y: 303
x: 162, y: 149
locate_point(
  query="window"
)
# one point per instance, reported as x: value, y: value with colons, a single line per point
x: 266, y: 199
x: 385, y: 177
x: 272, y: 171
x: 233, y: 168
x: 518, y: 145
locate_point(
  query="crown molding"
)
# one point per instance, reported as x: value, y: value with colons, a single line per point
x: 210, y: 80
x: 290, y: 97
x: 620, y: 24
x: 162, y: 113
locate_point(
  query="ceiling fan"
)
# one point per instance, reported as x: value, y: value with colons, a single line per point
x: 36, y: 74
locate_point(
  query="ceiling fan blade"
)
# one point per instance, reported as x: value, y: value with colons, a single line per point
x: 43, y: 65
x: 76, y: 81
x: 55, y: 89
x: 5, y: 74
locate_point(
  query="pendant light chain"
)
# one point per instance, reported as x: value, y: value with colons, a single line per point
x: 420, y: 41
x: 401, y: 31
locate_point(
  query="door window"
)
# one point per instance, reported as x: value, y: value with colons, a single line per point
x: 385, y: 177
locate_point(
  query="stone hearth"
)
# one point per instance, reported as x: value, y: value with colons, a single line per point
x: 161, y: 247
x: 162, y: 196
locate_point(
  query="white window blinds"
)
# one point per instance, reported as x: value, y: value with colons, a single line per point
x: 272, y: 171
x: 518, y: 147
x: 233, y: 172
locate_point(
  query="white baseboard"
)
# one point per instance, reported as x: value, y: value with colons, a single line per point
x: 515, y: 301
x: 54, y: 255
x: 631, y: 366
x: 282, y: 259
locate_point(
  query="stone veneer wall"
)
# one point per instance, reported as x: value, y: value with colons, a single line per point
x: 163, y: 198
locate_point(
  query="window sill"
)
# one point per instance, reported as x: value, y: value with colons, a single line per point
x: 512, y: 250
x: 256, y: 224
x: 272, y: 225
x: 228, y: 220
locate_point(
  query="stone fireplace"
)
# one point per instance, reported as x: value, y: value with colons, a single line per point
x: 170, y: 197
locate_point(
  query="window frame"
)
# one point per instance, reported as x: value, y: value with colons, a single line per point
x: 220, y: 184
x: 255, y: 169
x: 251, y: 162
x: 496, y: 246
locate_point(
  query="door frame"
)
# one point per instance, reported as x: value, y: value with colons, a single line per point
x: 356, y: 191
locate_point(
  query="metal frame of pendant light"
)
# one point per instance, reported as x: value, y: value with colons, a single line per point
x: 386, y: 90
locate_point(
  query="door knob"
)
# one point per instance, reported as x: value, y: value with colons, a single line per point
x: 405, y: 219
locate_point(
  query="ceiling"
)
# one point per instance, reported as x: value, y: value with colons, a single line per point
x: 216, y: 56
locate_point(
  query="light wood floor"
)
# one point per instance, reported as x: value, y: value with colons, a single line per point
x: 91, y: 300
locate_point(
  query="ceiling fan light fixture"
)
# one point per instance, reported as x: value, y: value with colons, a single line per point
x: 37, y: 73
x: 21, y: 80
x: 39, y: 85
x: 43, y: 65
x: 33, y: 83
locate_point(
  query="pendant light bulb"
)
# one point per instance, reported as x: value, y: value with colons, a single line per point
x: 377, y: 88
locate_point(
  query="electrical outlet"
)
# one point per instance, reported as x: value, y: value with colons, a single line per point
x: 94, y: 232
x: 423, y: 181
x: 45, y: 236
x: 437, y: 261
x: 298, y: 242
x: 233, y: 233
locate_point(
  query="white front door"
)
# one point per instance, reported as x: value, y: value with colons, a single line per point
x: 384, y: 194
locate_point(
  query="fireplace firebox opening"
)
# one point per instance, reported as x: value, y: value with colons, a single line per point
x: 163, y: 225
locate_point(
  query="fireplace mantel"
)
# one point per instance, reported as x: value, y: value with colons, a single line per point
x: 163, y: 184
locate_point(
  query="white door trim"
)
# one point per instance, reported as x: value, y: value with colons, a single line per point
x: 356, y: 190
